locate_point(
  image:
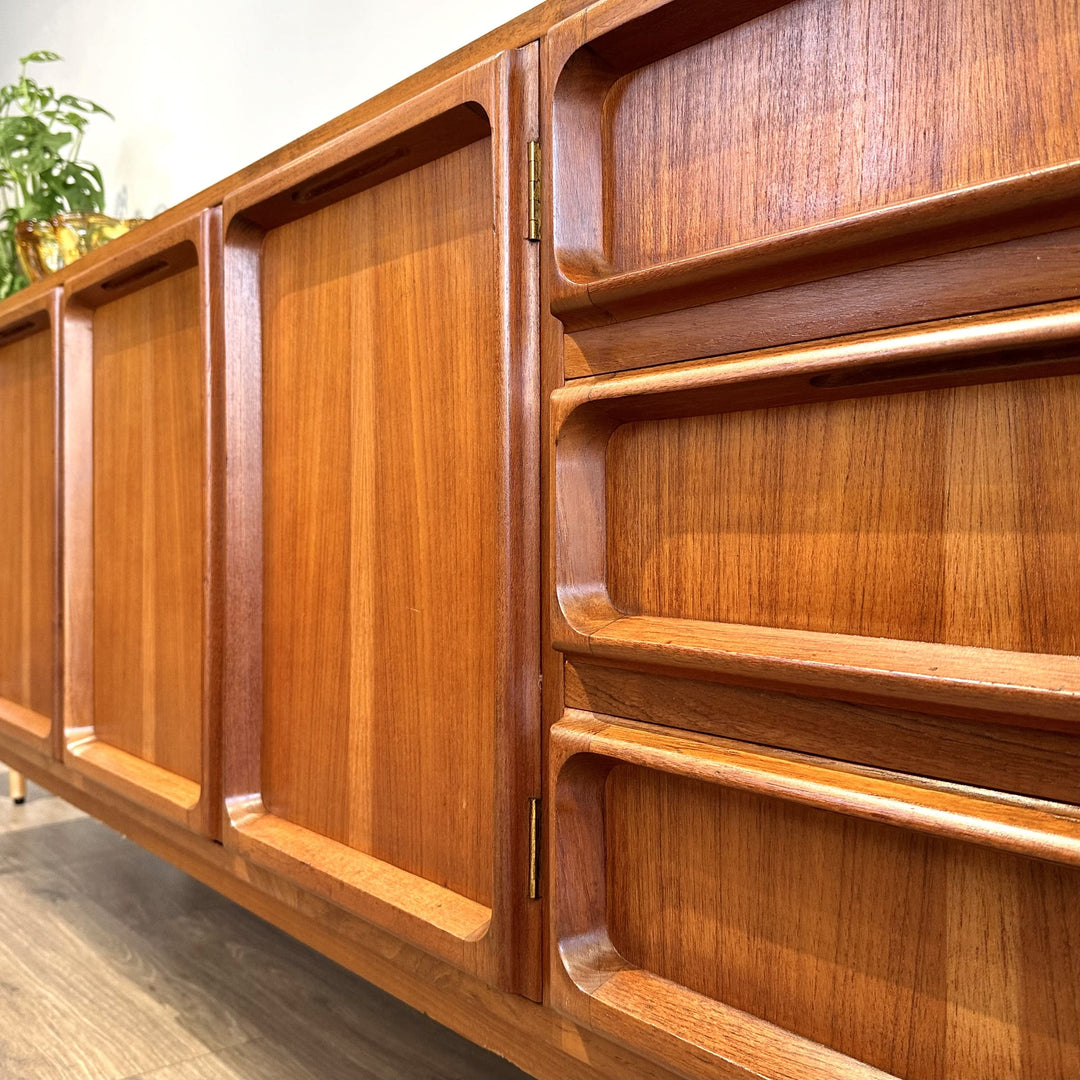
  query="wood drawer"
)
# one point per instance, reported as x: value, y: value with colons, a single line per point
x: 30, y: 365
x: 702, y: 152
x: 886, y: 519
x: 142, y: 332
x: 746, y: 912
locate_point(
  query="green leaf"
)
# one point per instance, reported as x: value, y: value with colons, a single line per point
x: 40, y: 56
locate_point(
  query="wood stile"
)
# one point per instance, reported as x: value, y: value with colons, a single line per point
x: 142, y: 521
x: 30, y: 371
x: 750, y: 912
x: 382, y: 717
x: 659, y: 207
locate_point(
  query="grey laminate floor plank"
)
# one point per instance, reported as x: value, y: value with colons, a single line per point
x: 115, y: 964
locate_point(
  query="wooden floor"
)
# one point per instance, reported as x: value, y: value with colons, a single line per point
x: 115, y: 964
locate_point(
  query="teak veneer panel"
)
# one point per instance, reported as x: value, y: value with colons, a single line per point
x: 379, y: 400
x: 704, y: 152
x: 705, y: 879
x: 946, y: 515
x: 383, y: 734
x: 818, y: 110
x: 142, y: 480
x: 149, y: 489
x: 29, y: 376
x: 920, y: 956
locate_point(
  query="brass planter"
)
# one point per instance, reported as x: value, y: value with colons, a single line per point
x: 45, y: 246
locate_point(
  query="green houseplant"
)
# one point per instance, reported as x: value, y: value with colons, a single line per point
x: 41, y: 135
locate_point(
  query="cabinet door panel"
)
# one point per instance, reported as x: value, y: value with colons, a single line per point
x: 29, y: 373
x: 385, y: 463
x: 143, y: 682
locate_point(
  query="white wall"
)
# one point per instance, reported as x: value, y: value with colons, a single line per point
x: 201, y: 88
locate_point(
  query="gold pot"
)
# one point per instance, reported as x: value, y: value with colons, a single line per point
x: 44, y: 246
x: 38, y: 248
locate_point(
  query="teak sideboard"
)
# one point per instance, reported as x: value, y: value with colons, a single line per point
x: 589, y: 538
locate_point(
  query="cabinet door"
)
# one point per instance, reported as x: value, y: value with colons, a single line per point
x: 382, y: 730
x: 141, y: 690
x: 29, y: 370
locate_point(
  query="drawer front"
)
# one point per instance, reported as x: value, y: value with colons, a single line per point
x: 751, y: 912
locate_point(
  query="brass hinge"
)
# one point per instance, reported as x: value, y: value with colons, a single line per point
x: 534, y: 849
x: 534, y: 190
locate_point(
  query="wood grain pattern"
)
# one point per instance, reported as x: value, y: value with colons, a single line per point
x: 912, y: 951
x: 142, y: 520
x: 1020, y: 759
x: 945, y: 515
x: 148, y: 533
x: 658, y: 207
x: 830, y: 110
x: 383, y: 479
x: 379, y: 524
x: 28, y: 534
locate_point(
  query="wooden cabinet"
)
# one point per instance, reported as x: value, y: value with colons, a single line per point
x: 142, y: 363
x: 382, y: 732
x: 590, y: 539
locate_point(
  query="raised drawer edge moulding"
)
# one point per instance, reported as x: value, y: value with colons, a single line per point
x: 1034, y: 269
x: 588, y: 53
x: 25, y: 317
x: 594, y: 984
x: 493, y: 99
x: 1032, y: 343
x: 192, y: 243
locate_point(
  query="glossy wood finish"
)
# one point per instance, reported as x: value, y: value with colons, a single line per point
x: 29, y: 576
x: 707, y: 890
x: 384, y: 738
x: 811, y: 490
x: 766, y: 634
x: 821, y: 516
x: 1005, y: 756
x: 142, y: 345
x: 658, y: 206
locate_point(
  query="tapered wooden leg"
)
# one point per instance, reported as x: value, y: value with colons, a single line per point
x: 17, y: 787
